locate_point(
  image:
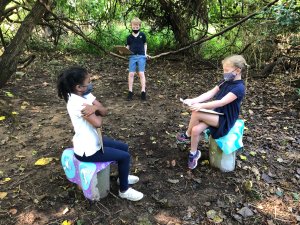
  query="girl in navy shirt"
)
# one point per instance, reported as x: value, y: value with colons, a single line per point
x: 228, y: 95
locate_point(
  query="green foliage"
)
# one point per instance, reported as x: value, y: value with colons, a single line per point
x: 107, y: 24
x: 287, y: 16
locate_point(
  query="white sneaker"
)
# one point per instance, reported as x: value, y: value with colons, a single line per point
x: 131, y: 195
x: 131, y: 179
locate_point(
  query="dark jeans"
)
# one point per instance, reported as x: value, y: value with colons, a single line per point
x: 113, y: 151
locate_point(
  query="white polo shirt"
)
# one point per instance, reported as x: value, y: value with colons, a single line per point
x: 86, y: 139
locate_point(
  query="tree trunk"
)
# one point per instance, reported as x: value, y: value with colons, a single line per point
x: 178, y: 24
x: 11, y: 55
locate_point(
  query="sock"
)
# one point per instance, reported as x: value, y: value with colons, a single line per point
x: 193, y: 152
x: 186, y: 134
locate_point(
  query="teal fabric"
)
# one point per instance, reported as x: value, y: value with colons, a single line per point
x: 233, y: 141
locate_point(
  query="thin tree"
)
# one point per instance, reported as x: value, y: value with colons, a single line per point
x: 9, y: 59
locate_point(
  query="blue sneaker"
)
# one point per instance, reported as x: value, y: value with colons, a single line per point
x: 193, y: 160
x: 181, y: 138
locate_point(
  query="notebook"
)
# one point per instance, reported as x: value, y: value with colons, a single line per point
x: 123, y: 50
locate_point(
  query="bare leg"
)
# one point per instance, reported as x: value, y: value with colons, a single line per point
x: 143, y: 81
x: 195, y: 137
x: 198, y: 123
x: 130, y: 80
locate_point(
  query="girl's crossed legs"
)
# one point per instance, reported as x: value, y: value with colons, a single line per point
x: 198, y: 123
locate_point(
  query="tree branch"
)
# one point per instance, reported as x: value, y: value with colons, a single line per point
x: 202, y: 40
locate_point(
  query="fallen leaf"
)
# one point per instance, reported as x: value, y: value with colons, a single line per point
x: 218, y: 219
x: 252, y: 153
x: 295, y: 196
x: 14, y: 113
x: 3, y: 195
x: 212, y: 214
x: 173, y: 181
x: 279, y: 160
x: 279, y: 192
x: 2, y: 118
x: 65, y: 211
x: 34, y: 152
x: 43, y: 161
x: 238, y: 218
x: 13, y: 211
x: 5, y: 180
x: 66, y: 222
x: 173, y: 162
x: 207, y: 204
x: 184, y: 114
x: 205, y: 162
x: 247, y: 185
x: 255, y: 171
x: 242, y: 157
x: 245, y: 212
x: 9, y: 94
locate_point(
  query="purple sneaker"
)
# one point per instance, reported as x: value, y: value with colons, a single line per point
x: 181, y: 138
x: 193, y: 160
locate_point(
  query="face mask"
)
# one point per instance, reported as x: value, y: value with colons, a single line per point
x: 89, y: 89
x: 135, y: 31
x: 229, y: 76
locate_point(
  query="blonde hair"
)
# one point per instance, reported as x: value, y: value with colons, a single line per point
x: 237, y: 61
x: 136, y: 20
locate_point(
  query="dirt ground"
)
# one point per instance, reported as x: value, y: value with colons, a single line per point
x: 263, y: 189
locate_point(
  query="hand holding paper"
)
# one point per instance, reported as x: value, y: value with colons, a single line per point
x: 187, y: 101
x: 197, y: 107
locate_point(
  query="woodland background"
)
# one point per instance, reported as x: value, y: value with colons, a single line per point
x: 187, y: 40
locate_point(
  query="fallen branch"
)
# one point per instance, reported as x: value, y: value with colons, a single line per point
x: 26, y: 62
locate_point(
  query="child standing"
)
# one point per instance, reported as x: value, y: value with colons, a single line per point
x: 136, y: 42
x: 86, y: 115
x: 228, y: 95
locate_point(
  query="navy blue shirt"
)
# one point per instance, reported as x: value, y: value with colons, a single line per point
x: 136, y: 44
x: 231, y: 111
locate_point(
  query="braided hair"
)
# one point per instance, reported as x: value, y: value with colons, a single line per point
x: 68, y: 79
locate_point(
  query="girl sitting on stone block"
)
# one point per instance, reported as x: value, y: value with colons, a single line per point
x: 228, y: 95
x: 86, y: 113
